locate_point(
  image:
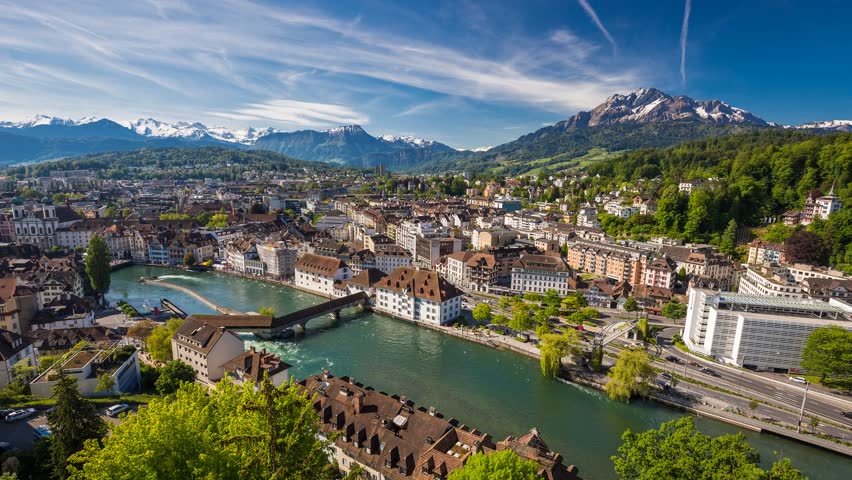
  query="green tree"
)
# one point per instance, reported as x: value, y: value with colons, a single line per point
x: 227, y: 432
x: 678, y: 451
x: 671, y: 209
x: 172, y: 376
x: 752, y: 405
x: 219, y: 220
x: 777, y: 233
x: 267, y: 311
x: 105, y: 382
x: 109, y: 212
x: 503, y: 465
x: 630, y: 305
x: 698, y: 214
x: 204, y: 218
x: 482, y: 313
x: 74, y: 421
x: 554, y: 347
x: 575, y: 301
x: 160, y: 341
x: 500, y: 320
x: 828, y: 353
x: 504, y: 303
x: 642, y: 328
x: 551, y: 297
x: 532, y: 297
x: 729, y: 238
x: 521, y: 319
x: 97, y: 264
x: 630, y: 375
x: 674, y: 310
x: 189, y: 258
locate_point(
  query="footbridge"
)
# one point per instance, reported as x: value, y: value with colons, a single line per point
x: 612, y: 332
x: 168, y: 305
x: 267, y: 326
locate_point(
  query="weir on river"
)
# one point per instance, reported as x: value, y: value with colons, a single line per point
x: 498, y: 392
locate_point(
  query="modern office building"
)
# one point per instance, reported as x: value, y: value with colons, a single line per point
x: 757, y: 331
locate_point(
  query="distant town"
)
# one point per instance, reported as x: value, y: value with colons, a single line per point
x: 528, y: 264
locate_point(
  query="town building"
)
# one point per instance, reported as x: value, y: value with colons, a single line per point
x: 607, y: 260
x: 391, y: 439
x: 769, y: 280
x: 660, y: 272
x: 319, y: 274
x: 827, y: 288
x: 389, y: 257
x: 476, y: 271
x: 418, y: 296
x: 757, y: 331
x: 760, y: 251
x: 278, y: 258
x: 205, y: 348
x: 14, y: 349
x: 119, y: 363
x: 540, y: 273
x: 252, y: 366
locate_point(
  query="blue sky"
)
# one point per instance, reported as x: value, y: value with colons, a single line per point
x: 462, y: 72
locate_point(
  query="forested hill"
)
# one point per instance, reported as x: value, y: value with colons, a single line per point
x: 753, y: 176
x: 176, y: 163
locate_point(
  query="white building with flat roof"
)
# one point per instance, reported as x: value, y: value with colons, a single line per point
x: 757, y: 331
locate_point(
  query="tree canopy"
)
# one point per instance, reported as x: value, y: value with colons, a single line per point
x: 172, y: 376
x: 73, y: 422
x: 482, y: 313
x: 630, y: 375
x: 678, y: 451
x: 554, y: 347
x: 828, y: 353
x: 503, y: 465
x: 97, y: 264
x: 228, y: 432
x: 159, y: 342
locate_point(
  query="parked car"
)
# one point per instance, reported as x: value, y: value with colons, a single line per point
x: 672, y: 358
x: 114, y: 410
x: 846, y: 414
x: 709, y: 371
x: 666, y: 375
x: 798, y: 380
x: 6, y: 411
x: 6, y: 447
x: 41, y: 432
x: 20, y: 415
x: 663, y: 385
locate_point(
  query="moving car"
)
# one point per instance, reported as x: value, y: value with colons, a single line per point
x: 114, y: 410
x: 693, y: 363
x: 672, y: 358
x: 846, y: 414
x: 666, y: 375
x: 20, y: 414
x: 798, y: 380
x: 709, y: 371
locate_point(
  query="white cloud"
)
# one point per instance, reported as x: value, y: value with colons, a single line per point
x: 594, y: 16
x: 684, y: 32
x: 242, y: 57
x: 292, y: 112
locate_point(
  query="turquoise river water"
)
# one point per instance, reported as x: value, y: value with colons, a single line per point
x: 495, y: 391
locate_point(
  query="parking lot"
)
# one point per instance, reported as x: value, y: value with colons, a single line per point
x: 20, y: 433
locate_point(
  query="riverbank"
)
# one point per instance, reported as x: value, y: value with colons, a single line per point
x: 500, y: 342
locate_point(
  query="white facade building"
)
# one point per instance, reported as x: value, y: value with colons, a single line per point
x: 319, y: 274
x: 540, y: 273
x: 418, y: 296
x: 770, y: 281
x: 757, y: 331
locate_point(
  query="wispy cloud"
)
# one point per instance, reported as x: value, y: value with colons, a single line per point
x: 684, y: 32
x: 594, y: 16
x: 248, y: 60
x: 305, y: 114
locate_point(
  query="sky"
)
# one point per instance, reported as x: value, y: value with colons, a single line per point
x: 465, y: 73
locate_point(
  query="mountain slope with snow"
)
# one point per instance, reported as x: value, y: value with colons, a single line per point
x: 834, y: 125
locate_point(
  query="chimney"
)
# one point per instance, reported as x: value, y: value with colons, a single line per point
x: 358, y: 403
x: 326, y: 374
x: 352, y: 380
x: 221, y: 328
x: 403, y: 400
x: 432, y: 411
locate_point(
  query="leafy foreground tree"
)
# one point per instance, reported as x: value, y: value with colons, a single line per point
x: 554, y: 347
x: 172, y: 376
x: 678, y: 451
x: 229, y: 432
x: 828, y: 353
x: 482, y: 313
x: 159, y: 342
x: 97, y: 264
x: 505, y: 465
x: 674, y: 310
x: 74, y: 422
x: 630, y: 376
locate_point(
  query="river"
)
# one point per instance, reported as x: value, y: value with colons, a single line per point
x: 495, y: 391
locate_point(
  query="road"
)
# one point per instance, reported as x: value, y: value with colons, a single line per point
x: 786, y: 395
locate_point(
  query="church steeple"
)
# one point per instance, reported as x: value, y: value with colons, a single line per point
x: 831, y: 192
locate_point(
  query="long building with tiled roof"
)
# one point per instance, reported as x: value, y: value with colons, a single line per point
x: 419, y: 296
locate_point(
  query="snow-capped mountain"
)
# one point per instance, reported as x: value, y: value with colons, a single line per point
x: 150, y: 127
x: 836, y: 125
x: 408, y: 141
x: 482, y: 149
x: 40, y: 120
x: 651, y: 105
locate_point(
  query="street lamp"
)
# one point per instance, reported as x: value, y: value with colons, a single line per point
x: 802, y: 410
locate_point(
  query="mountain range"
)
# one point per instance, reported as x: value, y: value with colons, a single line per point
x: 643, y: 118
